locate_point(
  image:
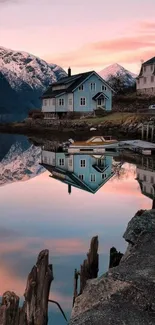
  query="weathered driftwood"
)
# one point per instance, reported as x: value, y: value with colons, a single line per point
x: 89, y: 268
x: 115, y: 257
x: 35, y: 307
x: 76, y: 276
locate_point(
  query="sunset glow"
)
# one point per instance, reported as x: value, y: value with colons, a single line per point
x: 83, y: 34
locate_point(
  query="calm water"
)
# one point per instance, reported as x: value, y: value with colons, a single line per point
x: 62, y: 213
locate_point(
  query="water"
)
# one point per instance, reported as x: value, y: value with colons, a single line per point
x: 62, y: 213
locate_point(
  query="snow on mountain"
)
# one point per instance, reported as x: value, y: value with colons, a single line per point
x: 116, y: 70
x: 21, y: 67
x: 19, y: 165
x: 28, y: 77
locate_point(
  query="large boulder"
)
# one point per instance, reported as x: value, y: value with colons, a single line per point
x: 125, y: 294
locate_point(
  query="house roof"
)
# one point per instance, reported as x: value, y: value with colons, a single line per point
x: 150, y: 61
x: 73, y: 82
x: 73, y: 179
x: 100, y: 94
x: 49, y: 93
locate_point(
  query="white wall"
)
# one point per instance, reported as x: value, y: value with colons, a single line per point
x: 146, y: 83
x: 48, y: 105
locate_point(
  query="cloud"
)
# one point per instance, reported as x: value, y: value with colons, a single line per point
x: 124, y: 49
x: 147, y: 25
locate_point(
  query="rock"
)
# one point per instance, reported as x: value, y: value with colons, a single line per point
x: 125, y: 294
x: 93, y: 129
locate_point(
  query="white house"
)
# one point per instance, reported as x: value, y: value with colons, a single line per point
x: 146, y: 80
x: 83, y: 92
x: 146, y: 180
x: 82, y: 171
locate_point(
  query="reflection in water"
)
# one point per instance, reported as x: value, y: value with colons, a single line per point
x: 146, y: 177
x: 39, y: 213
x: 86, y: 172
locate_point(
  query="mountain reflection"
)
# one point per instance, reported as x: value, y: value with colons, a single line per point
x: 83, y: 171
x: 19, y: 160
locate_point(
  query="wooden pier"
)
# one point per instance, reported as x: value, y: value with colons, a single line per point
x: 139, y: 146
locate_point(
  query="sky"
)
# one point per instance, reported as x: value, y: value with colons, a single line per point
x: 83, y: 34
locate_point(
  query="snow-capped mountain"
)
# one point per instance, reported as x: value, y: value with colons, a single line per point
x: 28, y: 76
x: 117, y: 71
x: 20, y: 164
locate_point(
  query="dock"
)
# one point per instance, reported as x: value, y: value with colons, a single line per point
x: 139, y: 146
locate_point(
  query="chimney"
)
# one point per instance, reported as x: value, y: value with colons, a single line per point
x: 69, y: 189
x: 69, y: 72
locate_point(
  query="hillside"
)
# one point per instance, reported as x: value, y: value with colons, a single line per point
x: 23, y: 79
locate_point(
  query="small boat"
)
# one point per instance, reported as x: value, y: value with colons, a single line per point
x: 96, y: 144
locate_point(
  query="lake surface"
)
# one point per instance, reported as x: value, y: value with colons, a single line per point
x: 63, y: 212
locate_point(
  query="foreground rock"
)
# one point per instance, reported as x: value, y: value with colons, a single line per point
x: 126, y: 294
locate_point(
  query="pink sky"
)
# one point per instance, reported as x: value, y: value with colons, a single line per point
x: 84, y: 34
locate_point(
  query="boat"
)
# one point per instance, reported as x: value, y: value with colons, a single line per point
x: 96, y: 144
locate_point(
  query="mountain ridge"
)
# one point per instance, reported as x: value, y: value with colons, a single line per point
x: 28, y: 77
x: 117, y: 71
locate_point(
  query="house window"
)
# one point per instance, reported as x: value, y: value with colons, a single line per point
x: 152, y: 179
x: 81, y: 87
x: 151, y: 190
x: 70, y: 102
x: 81, y: 177
x: 144, y: 80
x: 104, y: 176
x: 99, y: 102
x: 93, y: 178
x: 61, y: 102
x: 45, y: 102
x: 45, y: 160
x: 152, y: 78
x: 144, y: 178
x: 70, y: 162
x: 82, y: 101
x: 103, y: 88
x: 152, y: 67
x: 53, y: 101
x: 144, y: 68
x: 83, y: 163
x: 93, y: 86
x: 61, y: 162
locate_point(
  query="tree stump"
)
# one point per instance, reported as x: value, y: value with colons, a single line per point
x: 90, y: 266
x: 115, y: 257
x: 35, y: 307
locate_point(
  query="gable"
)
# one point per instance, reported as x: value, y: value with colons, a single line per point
x: 93, y: 73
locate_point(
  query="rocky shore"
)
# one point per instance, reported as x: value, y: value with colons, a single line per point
x: 116, y: 123
x: 125, y: 294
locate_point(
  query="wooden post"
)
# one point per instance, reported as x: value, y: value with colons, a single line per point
x: 90, y: 266
x: 9, y: 309
x: 35, y: 307
x: 76, y: 275
x: 152, y: 133
x: 147, y: 132
x: 115, y: 257
x: 153, y: 203
x: 142, y: 131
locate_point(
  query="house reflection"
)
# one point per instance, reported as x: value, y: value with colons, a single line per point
x: 146, y: 177
x: 83, y: 171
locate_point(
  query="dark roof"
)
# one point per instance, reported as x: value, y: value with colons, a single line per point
x: 98, y: 95
x: 54, y: 93
x: 150, y: 61
x: 73, y: 82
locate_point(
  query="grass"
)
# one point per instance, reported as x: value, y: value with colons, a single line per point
x: 117, y: 118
